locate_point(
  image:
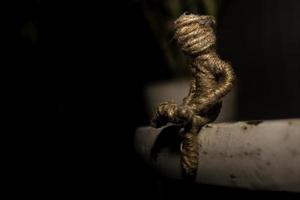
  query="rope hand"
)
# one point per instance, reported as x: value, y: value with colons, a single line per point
x: 212, y: 80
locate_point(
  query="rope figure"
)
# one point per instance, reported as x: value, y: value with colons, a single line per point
x: 212, y: 79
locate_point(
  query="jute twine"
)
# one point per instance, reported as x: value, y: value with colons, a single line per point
x: 212, y: 80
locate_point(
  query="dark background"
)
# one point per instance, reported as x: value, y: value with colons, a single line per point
x: 82, y: 68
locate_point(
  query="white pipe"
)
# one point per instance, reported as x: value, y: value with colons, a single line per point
x: 259, y: 155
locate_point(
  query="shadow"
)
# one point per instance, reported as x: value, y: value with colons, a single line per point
x: 169, y: 138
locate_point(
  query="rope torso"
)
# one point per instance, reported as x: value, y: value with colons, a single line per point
x: 212, y: 80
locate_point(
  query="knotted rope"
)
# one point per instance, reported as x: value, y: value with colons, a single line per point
x: 212, y: 80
